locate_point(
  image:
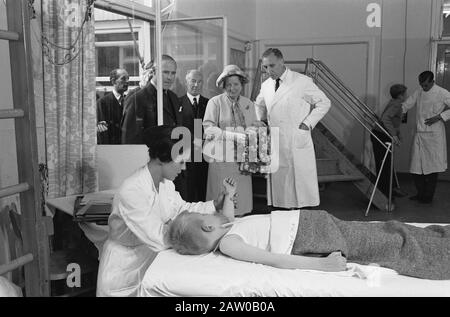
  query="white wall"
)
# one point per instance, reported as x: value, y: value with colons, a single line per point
x: 241, y: 14
x: 310, y: 24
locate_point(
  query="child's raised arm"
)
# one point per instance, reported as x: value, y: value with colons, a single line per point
x: 228, y: 203
x: 235, y: 247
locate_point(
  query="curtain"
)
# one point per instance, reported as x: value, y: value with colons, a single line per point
x: 68, y: 61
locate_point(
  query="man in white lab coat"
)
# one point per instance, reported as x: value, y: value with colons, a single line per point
x: 429, y: 147
x: 293, y: 103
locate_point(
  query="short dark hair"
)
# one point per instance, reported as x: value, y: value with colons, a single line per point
x: 274, y: 51
x: 241, y: 79
x: 397, y: 90
x: 426, y: 76
x: 160, y: 142
x: 164, y: 58
x: 114, y: 75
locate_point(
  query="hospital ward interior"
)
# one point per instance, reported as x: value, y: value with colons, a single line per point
x: 353, y: 100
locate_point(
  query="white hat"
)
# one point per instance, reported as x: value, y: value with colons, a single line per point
x: 231, y: 70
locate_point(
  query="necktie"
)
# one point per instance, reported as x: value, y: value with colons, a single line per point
x: 238, y: 119
x: 121, y: 99
x: 277, y: 84
x: 195, y: 105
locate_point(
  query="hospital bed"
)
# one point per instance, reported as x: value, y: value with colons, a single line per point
x: 213, y: 274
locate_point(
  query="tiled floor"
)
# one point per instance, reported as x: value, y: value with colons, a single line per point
x: 344, y: 201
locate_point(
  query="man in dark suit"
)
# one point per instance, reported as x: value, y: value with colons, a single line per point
x: 141, y: 106
x: 194, y: 106
x: 141, y: 110
x: 110, y: 109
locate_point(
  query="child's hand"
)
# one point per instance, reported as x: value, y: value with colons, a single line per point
x: 229, y: 185
x: 229, y: 188
x: 334, y: 262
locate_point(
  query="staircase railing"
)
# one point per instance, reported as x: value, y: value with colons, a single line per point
x: 333, y: 86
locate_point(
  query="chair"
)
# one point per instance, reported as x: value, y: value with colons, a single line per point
x: 70, y: 246
x: 59, y: 260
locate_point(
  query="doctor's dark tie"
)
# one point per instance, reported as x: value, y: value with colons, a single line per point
x: 277, y: 84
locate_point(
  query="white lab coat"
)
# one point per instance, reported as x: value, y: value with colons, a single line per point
x: 429, y: 146
x: 295, y: 183
x: 136, y: 231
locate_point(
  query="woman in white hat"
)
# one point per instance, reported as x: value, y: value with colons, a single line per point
x: 225, y: 114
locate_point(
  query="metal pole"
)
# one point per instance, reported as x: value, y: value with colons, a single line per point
x: 378, y: 178
x: 391, y: 172
x: 159, y: 88
x: 194, y: 19
x: 225, y: 41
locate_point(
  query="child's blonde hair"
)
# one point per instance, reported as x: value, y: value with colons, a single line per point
x: 184, y: 235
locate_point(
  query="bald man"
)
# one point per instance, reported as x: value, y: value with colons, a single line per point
x: 194, y: 105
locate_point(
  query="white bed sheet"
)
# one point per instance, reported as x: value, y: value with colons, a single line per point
x: 172, y: 274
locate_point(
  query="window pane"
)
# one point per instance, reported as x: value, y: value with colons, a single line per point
x: 107, y: 60
x: 132, y: 68
x: 195, y: 45
x: 115, y: 37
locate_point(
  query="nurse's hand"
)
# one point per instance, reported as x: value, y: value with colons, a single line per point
x: 303, y: 127
x: 433, y: 120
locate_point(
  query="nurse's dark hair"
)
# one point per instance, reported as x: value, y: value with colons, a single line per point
x: 426, y: 76
x: 160, y: 142
x: 397, y: 90
x: 274, y: 51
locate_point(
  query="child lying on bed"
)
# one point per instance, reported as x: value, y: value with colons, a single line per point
x: 315, y: 240
x: 194, y: 233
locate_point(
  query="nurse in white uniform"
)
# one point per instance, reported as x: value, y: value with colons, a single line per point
x: 143, y: 206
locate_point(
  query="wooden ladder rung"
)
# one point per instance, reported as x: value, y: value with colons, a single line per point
x: 11, y: 113
x: 12, y: 190
x: 16, y: 263
x: 8, y: 35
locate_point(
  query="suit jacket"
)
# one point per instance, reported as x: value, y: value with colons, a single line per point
x: 110, y: 110
x: 196, y: 173
x: 188, y: 111
x: 141, y: 113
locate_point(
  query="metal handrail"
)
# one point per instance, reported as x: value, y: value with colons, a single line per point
x: 353, y: 97
x: 351, y: 94
x: 324, y: 73
x: 356, y: 117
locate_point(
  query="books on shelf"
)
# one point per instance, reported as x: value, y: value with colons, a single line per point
x: 93, y: 208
